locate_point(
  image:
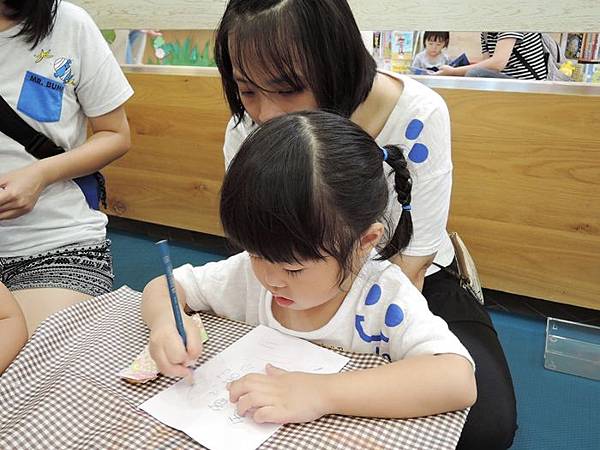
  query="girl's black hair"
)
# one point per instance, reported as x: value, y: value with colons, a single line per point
x: 311, y: 183
x: 442, y: 36
x: 37, y: 17
x: 302, y: 44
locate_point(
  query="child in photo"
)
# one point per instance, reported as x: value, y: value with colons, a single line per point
x: 304, y: 198
x: 434, y: 56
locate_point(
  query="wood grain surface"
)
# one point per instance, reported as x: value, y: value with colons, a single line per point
x: 526, y: 193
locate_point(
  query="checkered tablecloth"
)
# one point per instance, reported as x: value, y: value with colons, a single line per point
x: 63, y: 392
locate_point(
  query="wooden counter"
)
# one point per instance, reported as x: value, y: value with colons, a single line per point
x: 526, y: 195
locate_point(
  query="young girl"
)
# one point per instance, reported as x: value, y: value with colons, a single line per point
x: 13, y: 331
x: 57, y: 74
x: 303, y: 198
x: 279, y: 56
x: 433, y: 56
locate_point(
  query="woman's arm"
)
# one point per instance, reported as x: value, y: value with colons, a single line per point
x: 497, y: 61
x: 110, y: 140
x: 22, y: 187
x: 414, y: 267
x: 413, y: 387
x: 13, y: 330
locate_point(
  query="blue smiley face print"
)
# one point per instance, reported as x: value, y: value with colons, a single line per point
x: 393, y: 317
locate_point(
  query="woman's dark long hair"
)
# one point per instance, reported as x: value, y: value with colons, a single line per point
x: 309, y: 184
x: 37, y: 17
x: 303, y: 44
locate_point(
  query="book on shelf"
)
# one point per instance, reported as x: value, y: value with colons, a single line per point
x: 572, y: 47
x: 590, y: 48
x: 393, y: 50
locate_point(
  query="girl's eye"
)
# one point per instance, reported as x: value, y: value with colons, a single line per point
x: 295, y: 272
x: 246, y: 93
x: 289, y: 92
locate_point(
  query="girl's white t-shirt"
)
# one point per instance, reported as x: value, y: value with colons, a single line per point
x: 420, y: 125
x: 69, y: 76
x: 383, y: 313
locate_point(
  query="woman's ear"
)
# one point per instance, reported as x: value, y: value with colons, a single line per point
x: 371, y: 237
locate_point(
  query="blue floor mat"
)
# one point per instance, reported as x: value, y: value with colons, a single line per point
x: 136, y: 260
x: 555, y: 411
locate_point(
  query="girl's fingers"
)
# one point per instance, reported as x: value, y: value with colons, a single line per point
x: 243, y: 386
x: 252, y: 400
x: 174, y: 349
x: 194, y: 343
x: 167, y: 368
x: 268, y: 414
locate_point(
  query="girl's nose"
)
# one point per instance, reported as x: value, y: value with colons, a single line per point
x: 274, y: 278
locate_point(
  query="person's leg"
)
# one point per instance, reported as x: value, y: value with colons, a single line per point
x: 48, y: 282
x: 38, y: 304
x: 13, y: 332
x: 481, y: 72
x: 492, y: 420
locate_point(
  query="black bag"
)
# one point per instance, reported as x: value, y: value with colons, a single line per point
x: 40, y: 146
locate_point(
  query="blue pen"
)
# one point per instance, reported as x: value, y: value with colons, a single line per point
x: 165, y: 257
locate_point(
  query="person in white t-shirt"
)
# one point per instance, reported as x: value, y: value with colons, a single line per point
x: 280, y: 56
x: 303, y: 198
x: 58, y: 75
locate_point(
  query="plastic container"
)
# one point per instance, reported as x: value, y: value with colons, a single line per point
x: 572, y: 348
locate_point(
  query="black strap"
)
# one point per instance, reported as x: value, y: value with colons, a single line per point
x: 36, y: 143
x: 525, y: 63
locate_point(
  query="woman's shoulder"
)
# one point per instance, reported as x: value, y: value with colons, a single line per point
x: 70, y: 13
x: 74, y: 22
x: 418, y: 95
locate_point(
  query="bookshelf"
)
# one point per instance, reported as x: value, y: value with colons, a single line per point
x: 583, y: 51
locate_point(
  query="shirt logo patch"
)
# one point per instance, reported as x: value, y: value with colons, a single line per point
x: 43, y: 54
x: 62, y: 70
x: 41, y: 98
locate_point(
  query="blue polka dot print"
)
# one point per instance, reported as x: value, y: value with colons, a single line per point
x: 419, y: 152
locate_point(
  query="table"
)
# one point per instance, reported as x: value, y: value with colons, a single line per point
x: 63, y: 391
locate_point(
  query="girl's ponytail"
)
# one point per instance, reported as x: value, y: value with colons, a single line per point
x: 402, y: 185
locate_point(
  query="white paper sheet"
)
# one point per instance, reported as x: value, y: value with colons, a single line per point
x: 203, y: 410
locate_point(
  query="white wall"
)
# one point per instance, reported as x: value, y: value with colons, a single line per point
x: 451, y: 15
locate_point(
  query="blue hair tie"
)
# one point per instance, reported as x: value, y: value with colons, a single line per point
x: 406, y: 207
x: 385, y: 152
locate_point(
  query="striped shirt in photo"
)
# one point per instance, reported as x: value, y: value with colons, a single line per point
x: 528, y: 45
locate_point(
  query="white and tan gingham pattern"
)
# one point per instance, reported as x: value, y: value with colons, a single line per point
x: 63, y: 392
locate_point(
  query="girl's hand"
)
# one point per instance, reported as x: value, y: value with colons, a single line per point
x: 167, y: 350
x: 279, y: 396
x: 447, y: 70
x: 20, y: 190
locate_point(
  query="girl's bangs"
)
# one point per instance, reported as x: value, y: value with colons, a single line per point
x: 276, y: 239
x: 263, y: 53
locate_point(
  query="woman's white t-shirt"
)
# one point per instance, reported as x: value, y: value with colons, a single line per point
x: 420, y: 124
x: 69, y: 76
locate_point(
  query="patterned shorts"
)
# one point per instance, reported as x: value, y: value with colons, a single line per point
x: 85, y: 268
